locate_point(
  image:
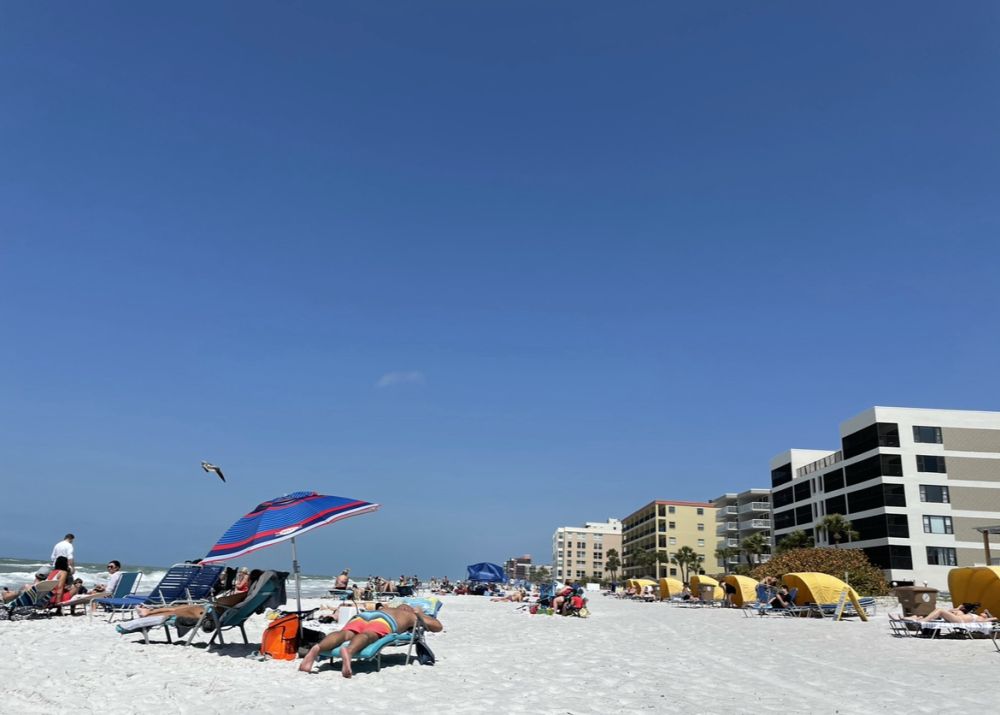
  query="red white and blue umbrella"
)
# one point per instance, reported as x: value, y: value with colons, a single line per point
x: 282, y: 519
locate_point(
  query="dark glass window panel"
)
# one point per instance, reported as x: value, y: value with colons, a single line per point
x: 860, y: 442
x: 880, y: 465
x: 935, y: 494
x: 872, y: 527
x: 802, y: 491
x: 893, y: 495
x: 784, y: 519
x: 865, y: 499
x: 880, y: 434
x: 782, y: 497
x: 927, y: 435
x: 892, y: 465
x: 834, y: 480
x: 898, y: 526
x: 803, y: 515
x: 878, y: 555
x: 941, y: 556
x: 930, y: 463
x: 863, y: 471
x: 888, y: 434
x: 781, y: 475
x: 836, y: 505
x: 900, y: 557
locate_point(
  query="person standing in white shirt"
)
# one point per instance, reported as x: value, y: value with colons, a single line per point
x: 65, y: 548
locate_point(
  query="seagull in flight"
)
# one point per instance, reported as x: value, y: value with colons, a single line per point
x: 212, y: 468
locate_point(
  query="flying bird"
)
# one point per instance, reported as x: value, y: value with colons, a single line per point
x: 212, y: 468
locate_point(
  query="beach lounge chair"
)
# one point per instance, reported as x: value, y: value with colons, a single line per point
x: 33, y: 602
x: 220, y: 617
x: 182, y: 583
x: 374, y: 650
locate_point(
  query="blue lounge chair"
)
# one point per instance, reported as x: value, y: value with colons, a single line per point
x: 223, y: 618
x: 182, y: 583
x: 374, y: 650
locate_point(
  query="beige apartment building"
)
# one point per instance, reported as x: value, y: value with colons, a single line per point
x: 664, y: 527
x: 580, y: 552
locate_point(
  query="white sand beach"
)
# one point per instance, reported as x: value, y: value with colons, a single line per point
x: 627, y: 656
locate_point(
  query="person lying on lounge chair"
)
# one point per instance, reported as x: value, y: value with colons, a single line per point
x: 357, y: 634
x: 516, y: 596
x: 963, y: 614
x: 196, y: 611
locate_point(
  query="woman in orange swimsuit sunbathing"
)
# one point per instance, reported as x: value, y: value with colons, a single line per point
x: 360, y: 632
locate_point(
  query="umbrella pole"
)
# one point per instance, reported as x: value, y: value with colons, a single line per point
x: 295, y: 569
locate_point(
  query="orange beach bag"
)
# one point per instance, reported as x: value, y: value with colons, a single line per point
x: 281, y: 638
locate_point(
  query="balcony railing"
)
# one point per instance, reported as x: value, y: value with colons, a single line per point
x: 727, y: 510
x: 755, y: 506
x: 726, y: 526
x: 732, y: 542
x: 755, y: 524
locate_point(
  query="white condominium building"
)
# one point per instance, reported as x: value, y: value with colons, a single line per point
x: 914, y: 483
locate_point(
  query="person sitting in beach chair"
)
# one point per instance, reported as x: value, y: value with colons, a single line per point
x: 966, y: 613
x: 195, y: 611
x: 360, y: 632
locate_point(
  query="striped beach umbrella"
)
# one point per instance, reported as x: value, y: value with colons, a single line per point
x: 284, y: 519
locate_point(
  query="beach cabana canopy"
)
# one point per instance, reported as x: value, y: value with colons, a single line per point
x: 817, y: 587
x: 697, y: 582
x: 977, y: 584
x: 746, y: 589
x: 670, y: 587
x: 487, y: 572
x: 640, y: 583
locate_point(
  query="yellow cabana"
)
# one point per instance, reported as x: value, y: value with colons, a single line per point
x: 670, y: 587
x: 699, y: 582
x: 977, y: 584
x: 817, y: 588
x: 746, y: 589
x: 639, y: 583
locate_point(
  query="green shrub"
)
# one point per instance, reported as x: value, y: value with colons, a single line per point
x: 864, y: 578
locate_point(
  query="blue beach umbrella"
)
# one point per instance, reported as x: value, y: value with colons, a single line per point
x: 283, y: 519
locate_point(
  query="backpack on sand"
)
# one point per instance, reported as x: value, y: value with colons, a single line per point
x: 281, y: 638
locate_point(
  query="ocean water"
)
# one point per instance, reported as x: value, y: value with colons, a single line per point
x: 14, y: 573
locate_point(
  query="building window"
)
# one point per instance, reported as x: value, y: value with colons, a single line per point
x: 941, y: 555
x: 672, y: 509
x: 927, y: 463
x: 701, y: 542
x: 927, y: 435
x: 931, y: 493
x: 701, y: 512
x: 672, y: 524
x: 938, y: 525
x: 673, y: 571
x: 673, y: 540
x: 701, y: 527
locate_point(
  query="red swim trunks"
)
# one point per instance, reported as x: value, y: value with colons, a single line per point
x: 379, y: 626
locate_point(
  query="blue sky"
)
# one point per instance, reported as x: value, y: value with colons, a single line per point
x: 499, y: 267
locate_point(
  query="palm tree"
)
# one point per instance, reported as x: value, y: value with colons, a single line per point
x: 796, y: 540
x: 724, y: 553
x: 753, y: 546
x: 612, y: 563
x: 837, y: 527
x: 645, y: 560
x: 686, y: 559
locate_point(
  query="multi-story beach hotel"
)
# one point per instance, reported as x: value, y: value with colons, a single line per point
x: 740, y: 516
x: 665, y: 526
x: 914, y: 483
x: 580, y: 552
